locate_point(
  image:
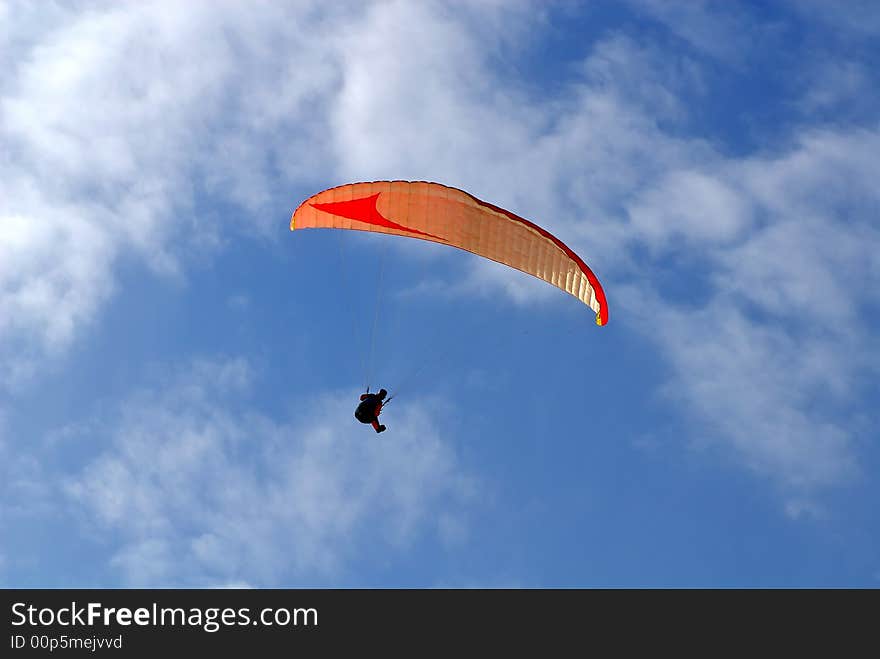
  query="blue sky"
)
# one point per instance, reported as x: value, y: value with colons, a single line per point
x: 178, y: 370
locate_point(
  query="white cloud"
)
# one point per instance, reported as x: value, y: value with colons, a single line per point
x: 836, y: 84
x: 783, y: 242
x: 118, y: 117
x: 599, y: 153
x: 429, y: 104
x: 200, y: 494
x: 771, y: 363
x: 693, y: 207
x: 23, y: 488
x: 753, y: 391
x: 803, y: 269
x: 815, y: 255
x: 115, y: 119
x: 414, y: 99
x: 47, y: 289
x: 723, y: 30
x: 857, y: 18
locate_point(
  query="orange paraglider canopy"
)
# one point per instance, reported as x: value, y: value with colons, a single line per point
x: 438, y: 213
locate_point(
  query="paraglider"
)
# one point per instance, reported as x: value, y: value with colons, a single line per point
x: 370, y: 408
x: 441, y: 214
x: 438, y: 213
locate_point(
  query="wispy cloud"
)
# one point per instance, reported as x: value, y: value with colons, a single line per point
x: 198, y: 493
x: 772, y: 362
x: 724, y: 31
x: 116, y: 120
x: 771, y: 256
x: 861, y: 18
